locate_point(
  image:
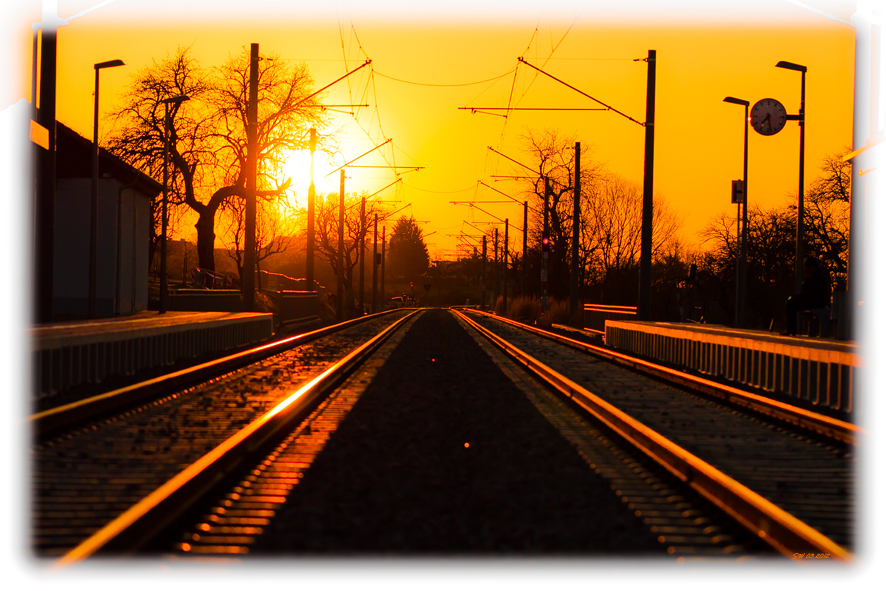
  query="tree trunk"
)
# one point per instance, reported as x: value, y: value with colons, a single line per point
x: 206, y: 239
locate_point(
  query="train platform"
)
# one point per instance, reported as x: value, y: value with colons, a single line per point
x: 818, y: 371
x: 86, y: 352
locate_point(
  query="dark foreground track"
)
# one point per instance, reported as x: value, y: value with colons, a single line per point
x: 399, y: 476
x: 443, y: 454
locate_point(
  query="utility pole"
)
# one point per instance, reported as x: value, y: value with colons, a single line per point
x: 576, y: 225
x: 483, y: 277
x: 525, y: 234
x: 504, y: 278
x: 495, y: 271
x: 309, y: 257
x: 644, y: 300
x: 362, y: 252
x: 340, y: 283
x: 247, y: 287
x: 382, y: 266
x: 375, y: 265
x: 545, y: 248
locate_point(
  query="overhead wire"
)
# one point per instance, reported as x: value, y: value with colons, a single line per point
x: 442, y: 192
x: 343, y: 52
x: 444, y: 85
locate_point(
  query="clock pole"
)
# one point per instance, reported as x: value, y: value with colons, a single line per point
x: 743, y: 303
x: 800, y: 209
x: 801, y: 119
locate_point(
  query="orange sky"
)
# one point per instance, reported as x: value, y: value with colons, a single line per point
x: 706, y: 51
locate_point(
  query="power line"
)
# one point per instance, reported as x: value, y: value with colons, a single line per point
x: 429, y: 191
x: 520, y: 59
x: 444, y: 85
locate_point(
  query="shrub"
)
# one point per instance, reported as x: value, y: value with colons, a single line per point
x: 557, y: 313
x: 524, y: 308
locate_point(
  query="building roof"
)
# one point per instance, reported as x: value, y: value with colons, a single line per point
x: 74, y: 161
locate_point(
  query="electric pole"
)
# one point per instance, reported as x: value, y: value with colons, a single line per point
x: 375, y: 264
x: 483, y: 277
x: 504, y: 279
x: 644, y: 300
x: 545, y: 251
x: 576, y: 226
x: 495, y: 271
x: 362, y: 252
x: 247, y: 287
x: 382, y: 266
x: 525, y: 234
x: 340, y: 283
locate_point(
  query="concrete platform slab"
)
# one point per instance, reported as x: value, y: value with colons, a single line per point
x: 820, y: 371
x: 71, y: 354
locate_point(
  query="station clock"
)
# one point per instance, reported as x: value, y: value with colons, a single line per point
x: 768, y: 116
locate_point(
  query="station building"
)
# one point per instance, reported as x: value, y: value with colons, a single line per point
x: 123, y: 236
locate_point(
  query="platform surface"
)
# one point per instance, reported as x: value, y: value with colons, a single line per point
x: 846, y: 351
x: 48, y: 335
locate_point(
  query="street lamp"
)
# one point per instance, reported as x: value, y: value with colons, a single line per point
x: 164, y: 284
x: 798, y: 264
x: 93, y: 217
x: 741, y: 272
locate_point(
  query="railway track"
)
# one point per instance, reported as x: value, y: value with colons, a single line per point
x: 784, y: 472
x: 427, y: 438
x: 96, y: 458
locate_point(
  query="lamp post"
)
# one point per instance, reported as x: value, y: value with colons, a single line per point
x: 742, y: 262
x: 93, y: 217
x: 801, y: 119
x: 164, y: 285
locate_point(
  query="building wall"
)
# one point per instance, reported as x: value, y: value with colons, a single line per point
x: 71, y: 266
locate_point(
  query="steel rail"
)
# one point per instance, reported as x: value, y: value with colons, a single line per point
x: 775, y: 526
x: 136, y: 526
x: 52, y: 420
x: 812, y: 421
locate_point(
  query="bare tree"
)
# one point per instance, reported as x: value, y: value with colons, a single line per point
x: 554, y: 156
x: 326, y: 228
x: 826, y: 215
x: 270, y: 232
x: 208, y: 141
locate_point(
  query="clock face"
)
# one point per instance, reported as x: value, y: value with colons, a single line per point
x: 768, y: 116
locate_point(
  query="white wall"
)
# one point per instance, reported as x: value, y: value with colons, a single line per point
x: 72, y: 226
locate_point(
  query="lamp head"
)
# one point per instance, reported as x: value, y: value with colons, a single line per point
x: 110, y: 64
x: 790, y: 66
x: 736, y: 101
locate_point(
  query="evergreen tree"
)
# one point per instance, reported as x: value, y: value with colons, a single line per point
x: 407, y: 253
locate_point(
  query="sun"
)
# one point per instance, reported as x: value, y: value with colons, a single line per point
x: 297, y: 166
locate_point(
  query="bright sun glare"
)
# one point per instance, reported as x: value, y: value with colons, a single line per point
x: 298, y: 168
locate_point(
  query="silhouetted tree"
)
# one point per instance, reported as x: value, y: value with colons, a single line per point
x: 407, y: 252
x: 270, y: 235
x: 326, y: 228
x: 826, y: 215
x: 554, y: 156
x: 207, y: 149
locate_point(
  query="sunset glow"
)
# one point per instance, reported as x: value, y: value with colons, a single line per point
x: 430, y: 63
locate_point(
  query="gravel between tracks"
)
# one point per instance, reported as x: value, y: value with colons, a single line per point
x: 83, y: 480
x: 812, y: 480
x: 443, y: 454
